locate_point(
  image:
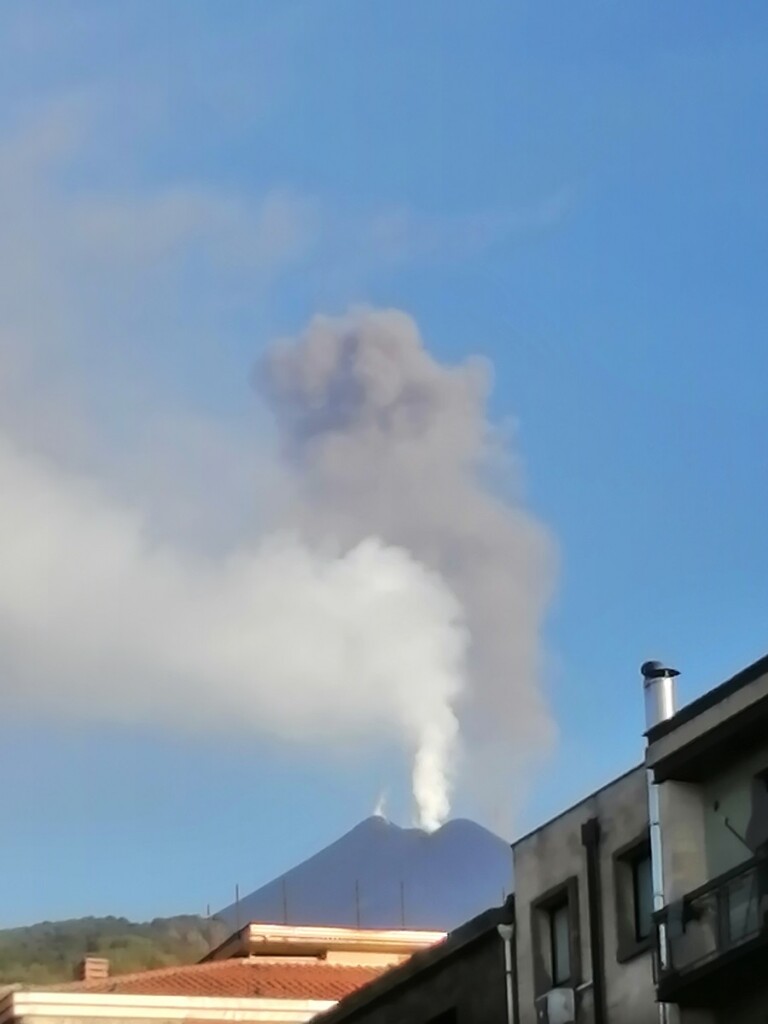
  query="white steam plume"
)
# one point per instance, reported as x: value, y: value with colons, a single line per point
x: 383, y: 438
x: 97, y: 621
x: 380, y: 807
x: 398, y: 597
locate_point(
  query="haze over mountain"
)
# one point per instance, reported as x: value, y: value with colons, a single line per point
x: 380, y: 875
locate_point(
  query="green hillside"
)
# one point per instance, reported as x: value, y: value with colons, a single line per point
x: 48, y: 952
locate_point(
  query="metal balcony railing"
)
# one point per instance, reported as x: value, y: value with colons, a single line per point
x: 715, y: 919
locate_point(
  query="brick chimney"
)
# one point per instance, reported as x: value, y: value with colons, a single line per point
x: 92, y: 968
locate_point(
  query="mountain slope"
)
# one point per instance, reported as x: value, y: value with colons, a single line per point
x: 48, y: 952
x: 447, y: 877
x: 382, y: 876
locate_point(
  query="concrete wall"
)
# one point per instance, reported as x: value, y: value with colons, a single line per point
x: 555, y: 853
x: 729, y: 795
x: 698, y: 845
x: 683, y: 833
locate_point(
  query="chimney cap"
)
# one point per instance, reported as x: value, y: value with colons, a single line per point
x: 657, y: 670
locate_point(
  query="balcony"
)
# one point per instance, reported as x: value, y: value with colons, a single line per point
x: 716, y: 937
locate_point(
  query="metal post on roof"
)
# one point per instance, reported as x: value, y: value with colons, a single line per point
x: 237, y: 904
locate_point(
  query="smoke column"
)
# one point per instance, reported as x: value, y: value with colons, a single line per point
x: 382, y: 438
x: 396, y: 597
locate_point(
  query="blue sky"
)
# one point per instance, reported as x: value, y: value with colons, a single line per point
x: 575, y: 191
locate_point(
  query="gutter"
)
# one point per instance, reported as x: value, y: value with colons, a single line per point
x: 507, y: 934
x: 590, y: 838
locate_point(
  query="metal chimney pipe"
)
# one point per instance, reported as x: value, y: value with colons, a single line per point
x: 660, y: 705
x: 659, y: 689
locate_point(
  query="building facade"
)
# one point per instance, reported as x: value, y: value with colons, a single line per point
x: 645, y: 903
x: 709, y: 764
x: 466, y: 979
x: 584, y: 917
x: 265, y: 974
x: 648, y: 901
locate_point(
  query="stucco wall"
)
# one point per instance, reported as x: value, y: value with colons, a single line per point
x: 554, y: 853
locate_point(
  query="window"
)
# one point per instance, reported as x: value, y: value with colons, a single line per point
x: 642, y: 896
x: 559, y: 943
x: 555, y: 936
x: 633, y: 881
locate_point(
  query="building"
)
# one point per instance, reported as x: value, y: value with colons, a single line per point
x: 709, y: 764
x: 648, y: 901
x: 645, y: 902
x: 580, y: 929
x: 584, y: 912
x: 271, y: 974
x: 462, y: 980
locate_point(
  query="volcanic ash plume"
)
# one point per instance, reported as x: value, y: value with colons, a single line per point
x: 383, y: 439
x: 396, y: 599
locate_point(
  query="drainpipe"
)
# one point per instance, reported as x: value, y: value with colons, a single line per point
x: 507, y: 933
x: 660, y: 705
x: 590, y: 838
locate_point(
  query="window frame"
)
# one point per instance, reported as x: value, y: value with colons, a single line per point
x: 542, y: 908
x: 625, y: 861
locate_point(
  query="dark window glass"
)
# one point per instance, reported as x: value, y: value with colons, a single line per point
x: 560, y: 943
x: 642, y: 896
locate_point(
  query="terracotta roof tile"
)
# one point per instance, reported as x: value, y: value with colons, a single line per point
x: 238, y: 979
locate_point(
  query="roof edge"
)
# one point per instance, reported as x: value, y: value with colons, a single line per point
x: 177, y: 1008
x: 710, y: 699
x: 267, y: 939
x: 574, y: 806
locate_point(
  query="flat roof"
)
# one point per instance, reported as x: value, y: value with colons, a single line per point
x: 264, y: 938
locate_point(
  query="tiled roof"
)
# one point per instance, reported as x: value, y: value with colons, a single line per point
x: 412, y: 972
x: 238, y: 979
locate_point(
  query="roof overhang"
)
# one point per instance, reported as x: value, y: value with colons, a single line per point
x: 696, y: 746
x: 258, y: 939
